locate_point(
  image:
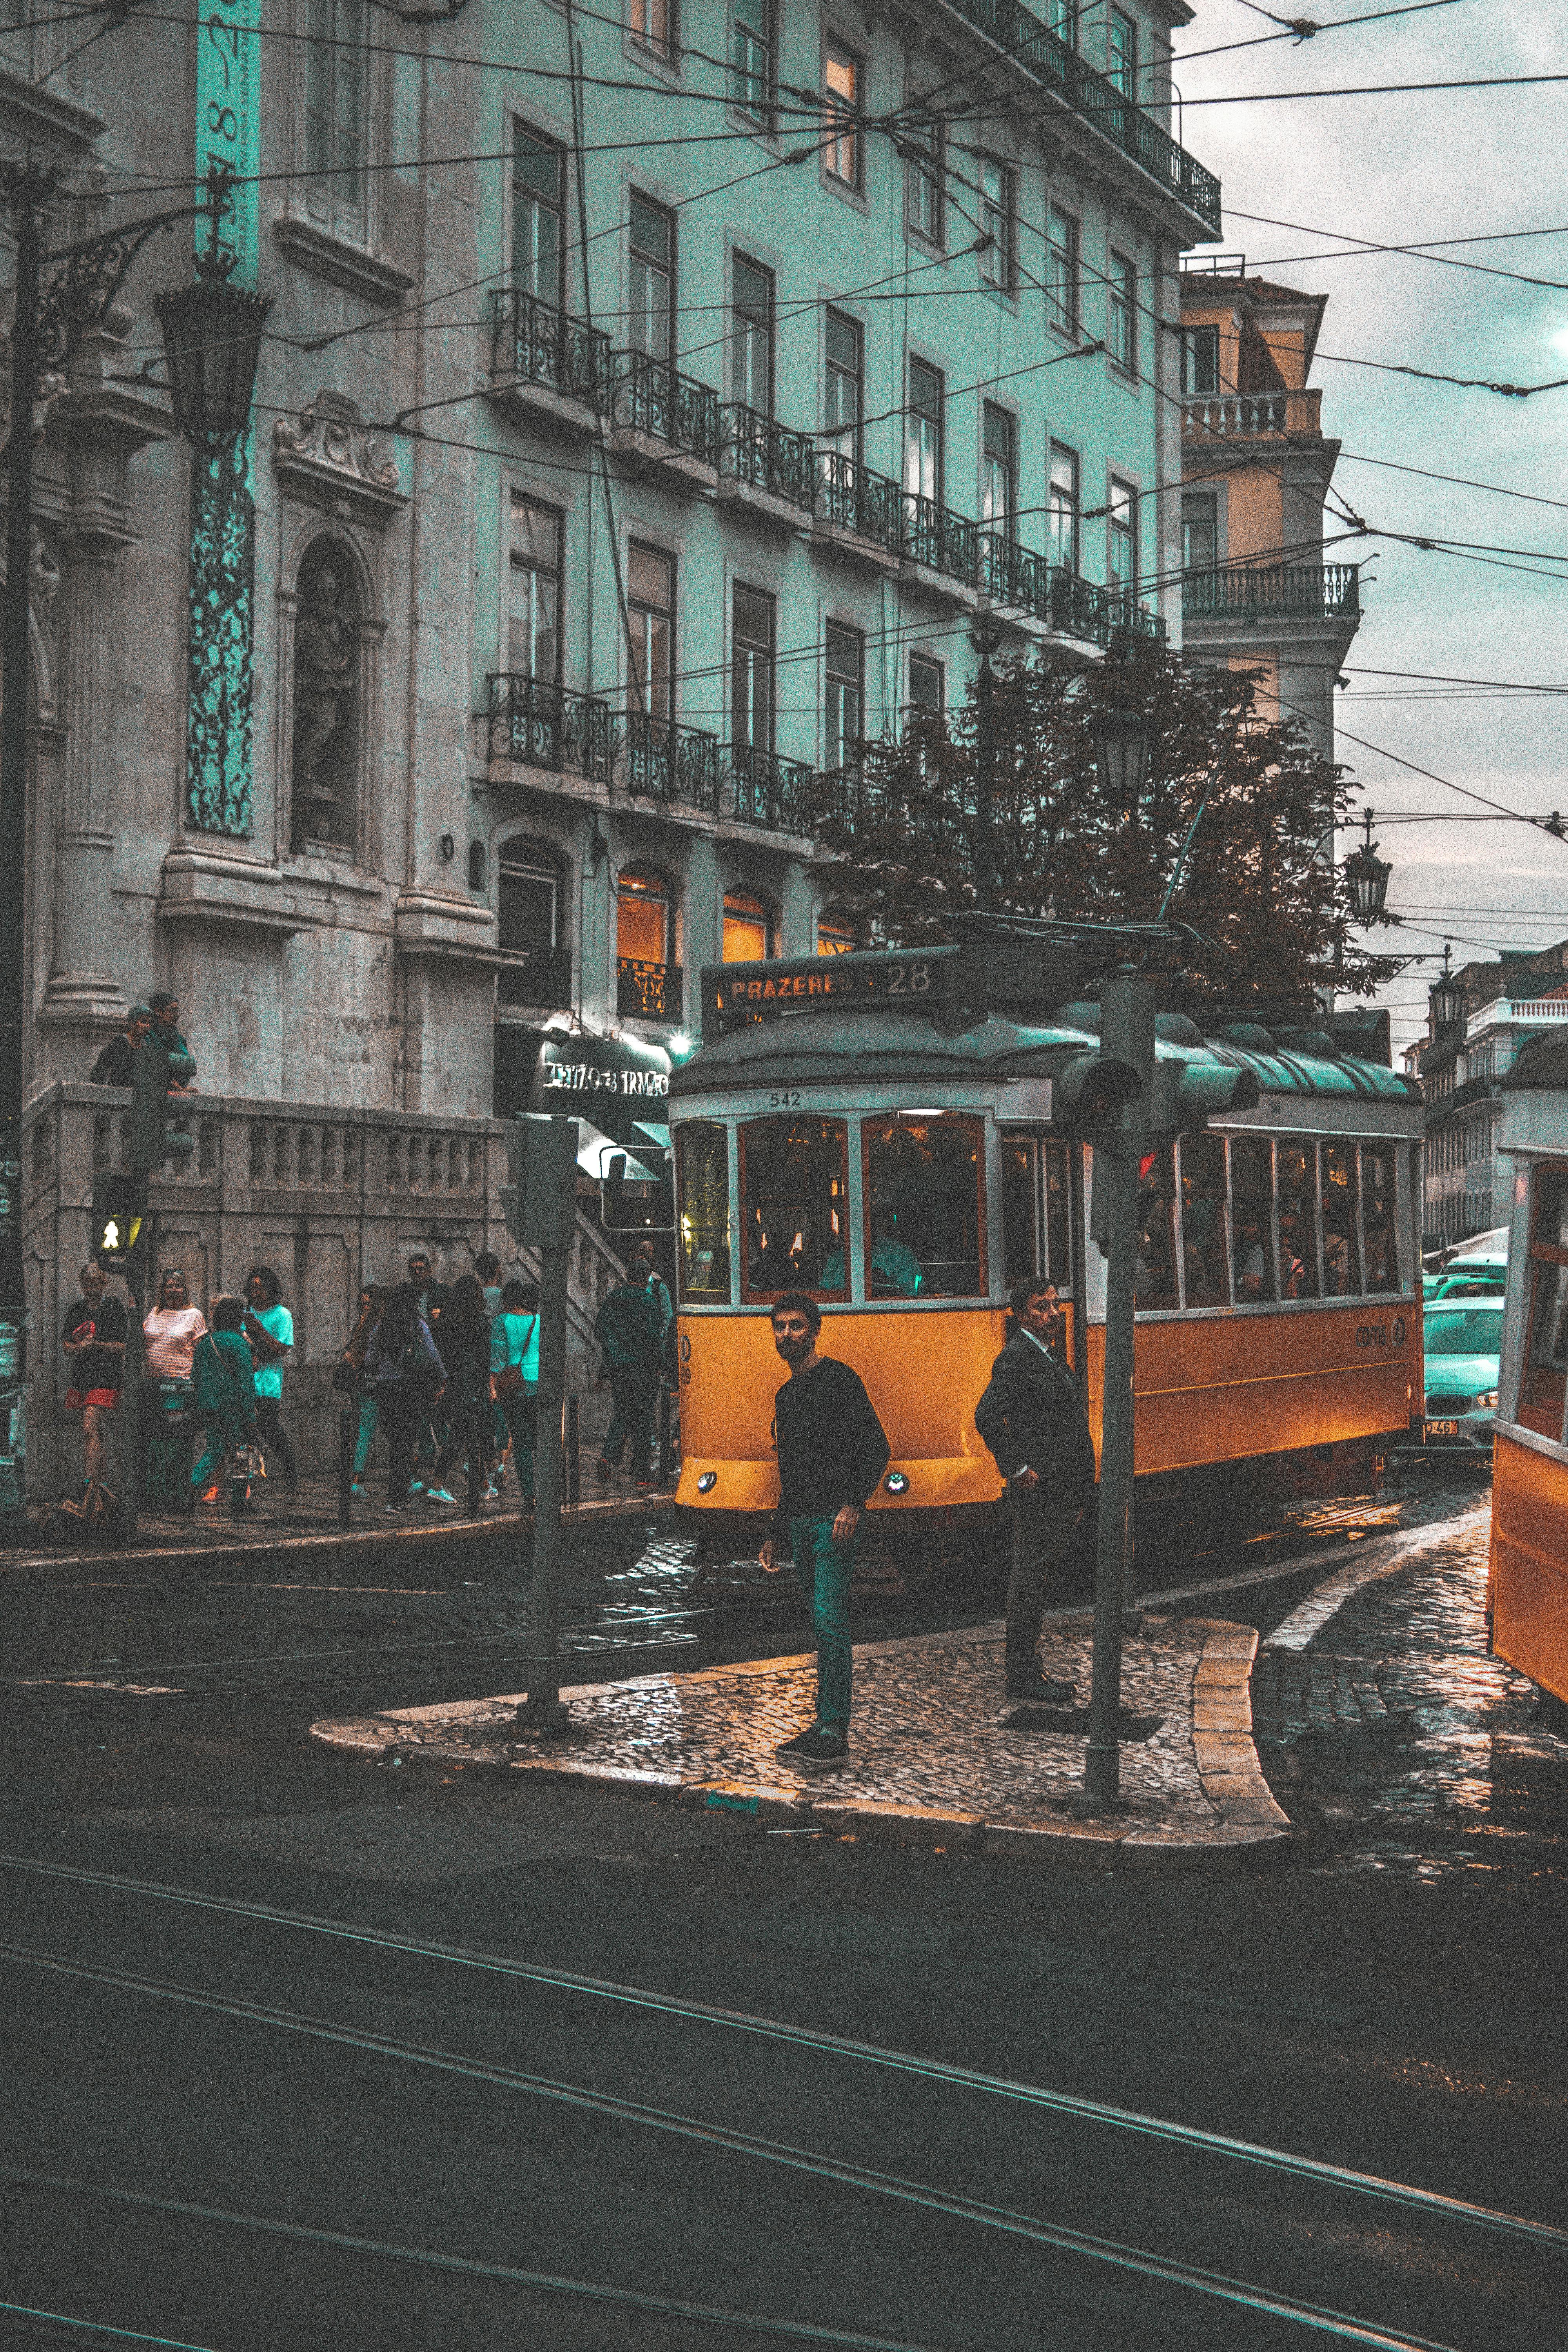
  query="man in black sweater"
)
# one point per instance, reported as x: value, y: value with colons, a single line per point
x: 1032, y: 1418
x: 832, y: 1450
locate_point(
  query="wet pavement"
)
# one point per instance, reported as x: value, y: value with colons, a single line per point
x: 1398, y: 1733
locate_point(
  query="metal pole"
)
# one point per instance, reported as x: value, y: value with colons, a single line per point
x: 1127, y: 1030
x: 476, y: 1463
x: 131, y: 1406
x: 573, y: 1449
x: 25, y: 188
x: 982, y: 642
x: 666, y: 1448
x: 348, y: 1429
x: 543, y: 1710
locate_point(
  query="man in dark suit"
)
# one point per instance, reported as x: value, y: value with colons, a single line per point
x: 1032, y: 1418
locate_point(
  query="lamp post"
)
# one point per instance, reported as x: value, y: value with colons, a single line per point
x: 1447, y: 995
x: 1367, y: 875
x: 1121, y: 742
x: 213, y: 339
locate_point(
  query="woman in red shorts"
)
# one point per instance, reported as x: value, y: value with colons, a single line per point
x: 93, y: 1338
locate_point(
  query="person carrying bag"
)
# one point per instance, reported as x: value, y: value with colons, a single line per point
x: 408, y: 1376
x: 224, y: 1404
x: 514, y: 1379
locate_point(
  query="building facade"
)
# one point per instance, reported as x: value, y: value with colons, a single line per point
x: 650, y: 411
x: 1256, y: 465
x: 1508, y: 1004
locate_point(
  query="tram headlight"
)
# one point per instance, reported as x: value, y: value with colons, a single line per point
x: 896, y: 1483
x: 706, y: 1481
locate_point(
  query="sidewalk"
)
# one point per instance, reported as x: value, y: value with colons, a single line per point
x: 308, y: 1517
x: 939, y: 1759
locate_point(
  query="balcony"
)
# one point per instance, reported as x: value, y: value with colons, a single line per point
x: 1306, y: 591
x: 668, y: 420
x: 543, y: 726
x: 758, y: 787
x: 1224, y: 417
x: 1061, y: 70
x: 536, y: 976
x: 659, y: 760
x: 858, y: 510
x: 763, y: 466
x: 646, y: 992
x: 548, y: 362
x: 934, y: 540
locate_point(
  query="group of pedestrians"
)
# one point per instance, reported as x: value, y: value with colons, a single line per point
x: 833, y: 1452
x: 156, y: 1023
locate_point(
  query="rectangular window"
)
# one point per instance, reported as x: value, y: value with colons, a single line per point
x: 1205, y: 1268
x: 794, y: 1207
x: 750, y: 335
x: 652, y: 22
x: 537, y: 216
x: 1062, y: 509
x: 999, y: 472
x: 1252, y: 1222
x: 1121, y: 552
x: 996, y: 263
x: 1061, y: 16
x: 922, y: 433
x: 1121, y: 53
x: 1121, y: 314
x: 842, y: 402
x: 335, y: 114
x: 1061, y: 271
x: 1298, y: 1220
x: 751, y: 61
x: 1154, y: 1276
x: 923, y: 140
x: 702, y: 1150
x: 1200, y: 359
x: 752, y: 671
x: 1200, y: 530
x: 1034, y: 1229
x: 1342, y: 1242
x: 651, y: 323
x: 533, y: 627
x: 1545, y: 1377
x: 1377, y: 1223
x: 650, y: 608
x: 925, y: 1233
x: 927, y: 685
x: 841, y: 157
x: 845, y: 669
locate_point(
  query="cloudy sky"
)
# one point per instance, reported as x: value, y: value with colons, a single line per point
x: 1404, y: 170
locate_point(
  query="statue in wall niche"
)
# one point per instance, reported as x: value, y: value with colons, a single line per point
x: 323, y: 708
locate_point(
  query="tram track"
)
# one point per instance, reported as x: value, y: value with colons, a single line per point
x: 1139, y: 2261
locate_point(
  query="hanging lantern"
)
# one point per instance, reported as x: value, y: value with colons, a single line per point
x: 1121, y: 738
x: 1368, y: 875
x: 212, y: 338
x: 1446, y: 996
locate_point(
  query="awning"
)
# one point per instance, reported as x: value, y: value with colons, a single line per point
x: 595, y: 1150
x: 610, y: 1083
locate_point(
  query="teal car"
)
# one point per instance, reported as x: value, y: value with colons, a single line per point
x: 1463, y: 1341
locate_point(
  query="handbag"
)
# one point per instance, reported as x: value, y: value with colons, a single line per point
x: 248, y: 1461
x: 510, y: 1380
x: 345, y: 1377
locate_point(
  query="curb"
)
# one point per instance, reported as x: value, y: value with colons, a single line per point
x: 1251, y: 1826
x: 338, y: 1542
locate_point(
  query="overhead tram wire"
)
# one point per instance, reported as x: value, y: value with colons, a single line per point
x: 1357, y: 248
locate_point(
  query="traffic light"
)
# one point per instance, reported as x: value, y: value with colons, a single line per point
x: 1186, y: 1094
x: 151, y: 1140
x: 118, y: 1212
x: 1092, y: 1090
x: 539, y: 1203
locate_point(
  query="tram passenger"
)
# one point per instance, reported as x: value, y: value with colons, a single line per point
x: 776, y: 1259
x: 894, y: 1272
x: 832, y: 1451
x: 1251, y: 1265
x: 1032, y: 1418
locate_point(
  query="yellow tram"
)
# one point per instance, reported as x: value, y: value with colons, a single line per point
x: 1528, y: 1574
x: 878, y: 1130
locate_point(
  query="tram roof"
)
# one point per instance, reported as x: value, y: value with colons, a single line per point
x: 881, y: 1047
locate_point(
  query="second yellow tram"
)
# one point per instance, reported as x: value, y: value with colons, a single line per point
x: 905, y: 1168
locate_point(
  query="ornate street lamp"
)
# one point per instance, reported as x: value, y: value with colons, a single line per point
x: 212, y: 339
x: 1367, y: 875
x: 1446, y: 996
x: 1121, y: 742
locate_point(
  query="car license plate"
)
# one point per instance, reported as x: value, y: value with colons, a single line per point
x: 1442, y: 1429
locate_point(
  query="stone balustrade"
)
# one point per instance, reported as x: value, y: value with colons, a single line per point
x: 330, y: 1199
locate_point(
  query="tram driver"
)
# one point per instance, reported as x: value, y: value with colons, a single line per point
x: 894, y: 1271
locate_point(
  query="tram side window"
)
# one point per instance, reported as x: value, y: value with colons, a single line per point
x: 1298, y: 1220
x: 1341, y: 1255
x: 704, y: 1220
x: 925, y: 1230
x: 1058, y: 1228
x: 1377, y: 1217
x: 1545, y: 1379
x: 1203, y: 1221
x: 1252, y: 1221
x: 1020, y: 1209
x: 793, y: 1188
x: 1154, y: 1279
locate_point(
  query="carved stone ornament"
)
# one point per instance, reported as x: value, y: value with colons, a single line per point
x: 44, y: 575
x: 47, y: 393
x: 330, y: 456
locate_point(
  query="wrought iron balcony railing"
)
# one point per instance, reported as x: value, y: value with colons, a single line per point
x: 536, y: 344
x: 648, y: 991
x: 539, y: 976
x: 851, y: 497
x: 661, y: 761
x: 653, y: 398
x: 940, y: 539
x: 758, y: 787
x: 1014, y: 575
x: 543, y: 726
x: 1325, y: 592
x: 1126, y: 617
x: 766, y: 456
x: 1060, y: 70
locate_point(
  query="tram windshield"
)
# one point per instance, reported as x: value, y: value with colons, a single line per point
x: 793, y: 1178
x: 925, y: 1228
x: 703, y: 1222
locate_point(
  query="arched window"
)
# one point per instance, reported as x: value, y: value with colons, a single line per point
x: 646, y: 983
x: 748, y: 927
x: 835, y: 933
x: 530, y: 896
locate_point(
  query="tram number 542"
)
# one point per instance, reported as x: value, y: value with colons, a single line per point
x: 786, y: 1097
